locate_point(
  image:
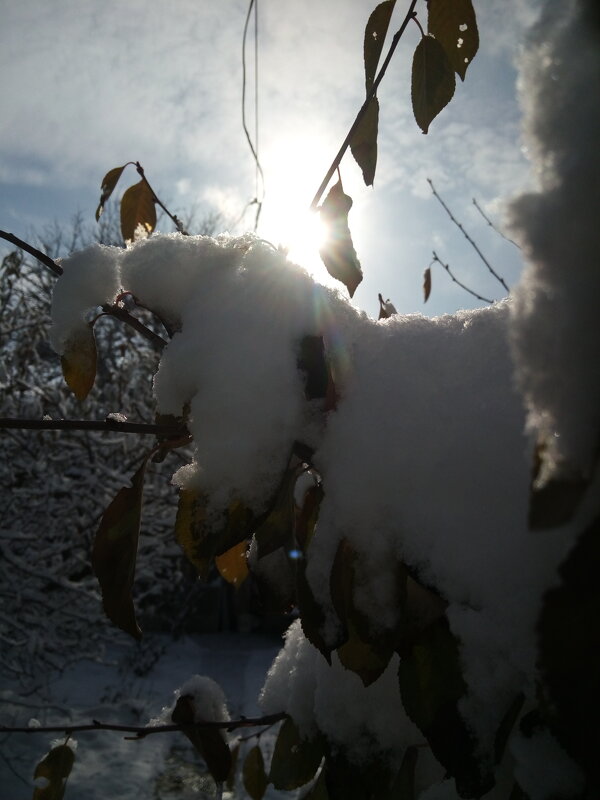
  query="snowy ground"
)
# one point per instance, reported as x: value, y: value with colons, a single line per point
x: 160, y: 767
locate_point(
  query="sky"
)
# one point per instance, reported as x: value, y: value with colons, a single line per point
x: 88, y: 86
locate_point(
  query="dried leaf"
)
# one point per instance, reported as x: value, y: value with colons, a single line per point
x: 79, y: 360
x: 190, y: 529
x: 295, y: 760
x: 209, y: 742
x: 114, y: 553
x: 386, y: 308
x: 232, y: 565
x: 426, y: 284
x: 338, y: 253
x: 433, y: 81
x: 254, y: 775
x: 364, y: 142
x: 455, y: 27
x: 138, y: 212
x: 54, y: 769
x: 109, y: 182
x: 375, y: 33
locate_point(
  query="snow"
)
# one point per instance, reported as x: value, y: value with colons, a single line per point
x: 555, y: 316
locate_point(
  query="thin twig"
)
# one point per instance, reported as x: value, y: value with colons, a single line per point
x: 459, y: 283
x: 33, y: 251
x: 143, y: 731
x: 363, y: 109
x: 104, y: 425
x: 499, y: 278
x: 493, y: 227
x: 173, y: 217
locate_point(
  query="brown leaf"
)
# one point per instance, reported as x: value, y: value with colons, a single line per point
x: 433, y: 81
x: 254, y: 775
x: 338, y: 253
x: 79, y: 360
x: 375, y: 33
x: 455, y: 27
x: 54, y: 768
x: 209, y: 742
x: 114, y: 553
x: 232, y: 565
x: 364, y: 142
x: 109, y: 182
x: 138, y: 212
x: 427, y: 284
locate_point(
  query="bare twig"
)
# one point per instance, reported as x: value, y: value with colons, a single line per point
x: 173, y: 217
x: 492, y: 226
x: 363, y: 109
x: 105, y: 425
x: 499, y: 278
x: 459, y: 283
x: 33, y: 251
x: 143, y: 731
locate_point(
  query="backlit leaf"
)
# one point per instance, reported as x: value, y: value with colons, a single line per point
x: 431, y: 685
x: 454, y: 25
x: 138, y: 212
x: 209, y: 742
x: 254, y: 775
x: 295, y: 760
x: 426, y: 284
x: 338, y: 253
x: 364, y: 142
x: 433, y: 81
x: 109, y: 182
x: 114, y: 554
x: 312, y: 362
x: 366, y: 659
x: 569, y: 654
x: 277, y: 529
x: 78, y: 361
x: 232, y: 565
x: 375, y: 33
x: 54, y: 769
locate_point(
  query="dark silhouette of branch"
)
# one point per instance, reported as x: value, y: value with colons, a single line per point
x: 459, y: 283
x: 143, y: 731
x: 492, y: 226
x: 363, y: 109
x: 105, y: 425
x: 499, y: 278
x: 173, y: 217
x: 33, y: 251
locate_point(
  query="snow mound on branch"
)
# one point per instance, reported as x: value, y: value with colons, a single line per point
x: 90, y: 279
x: 209, y: 701
x: 555, y: 331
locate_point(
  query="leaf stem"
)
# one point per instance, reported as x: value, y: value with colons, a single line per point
x: 173, y: 217
x: 363, y: 109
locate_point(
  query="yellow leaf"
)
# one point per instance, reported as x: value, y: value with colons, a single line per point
x: 79, y: 361
x: 138, y: 212
x: 427, y: 284
x: 54, y: 769
x: 190, y: 530
x: 232, y: 565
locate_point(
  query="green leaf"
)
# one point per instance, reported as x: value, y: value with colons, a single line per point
x: 431, y: 685
x: 433, y: 81
x: 338, y: 253
x: 364, y: 142
x: 295, y: 760
x: 78, y: 361
x: 569, y: 654
x: 254, y: 775
x: 109, y: 182
x: 426, y: 284
x: 54, y: 769
x: 114, y: 553
x: 138, y: 212
x: 209, y: 742
x: 375, y: 33
x: 454, y: 25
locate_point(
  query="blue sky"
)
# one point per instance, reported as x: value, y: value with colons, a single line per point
x: 88, y: 86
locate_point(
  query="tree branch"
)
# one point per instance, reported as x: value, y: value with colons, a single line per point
x: 105, y: 425
x: 499, y: 278
x: 173, y: 217
x: 459, y: 283
x: 143, y: 731
x: 33, y: 251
